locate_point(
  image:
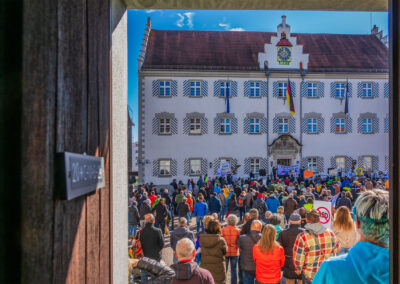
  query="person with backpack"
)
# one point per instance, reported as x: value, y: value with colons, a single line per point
x: 260, y: 205
x: 241, y: 204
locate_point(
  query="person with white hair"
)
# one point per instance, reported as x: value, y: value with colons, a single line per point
x: 186, y: 270
x: 231, y: 235
x: 368, y: 260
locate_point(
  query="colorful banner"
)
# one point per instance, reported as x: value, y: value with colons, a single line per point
x: 286, y: 170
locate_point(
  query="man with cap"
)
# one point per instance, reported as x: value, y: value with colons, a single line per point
x: 287, y: 239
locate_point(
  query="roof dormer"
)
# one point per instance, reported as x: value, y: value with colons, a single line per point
x: 283, y: 53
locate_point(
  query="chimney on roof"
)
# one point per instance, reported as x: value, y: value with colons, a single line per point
x: 374, y: 30
x: 144, y: 44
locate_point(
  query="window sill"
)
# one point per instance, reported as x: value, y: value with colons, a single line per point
x: 195, y: 134
x: 164, y: 176
x: 367, y: 98
x: 312, y: 98
x: 258, y: 133
x: 224, y: 133
x: 259, y: 97
x: 195, y: 175
x: 367, y: 133
x: 164, y: 97
x: 340, y: 132
x: 195, y: 97
x: 312, y: 133
x: 164, y: 134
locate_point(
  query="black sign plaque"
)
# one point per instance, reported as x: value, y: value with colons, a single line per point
x: 79, y: 174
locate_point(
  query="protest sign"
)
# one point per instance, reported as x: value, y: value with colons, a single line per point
x: 333, y: 172
x: 308, y: 174
x: 225, y: 167
x: 324, y: 209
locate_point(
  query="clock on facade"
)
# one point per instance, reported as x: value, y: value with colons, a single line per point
x: 284, y: 55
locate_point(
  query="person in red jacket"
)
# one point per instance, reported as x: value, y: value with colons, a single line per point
x: 152, y: 198
x: 269, y: 257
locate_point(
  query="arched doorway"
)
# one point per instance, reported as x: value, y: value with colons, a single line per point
x: 284, y: 150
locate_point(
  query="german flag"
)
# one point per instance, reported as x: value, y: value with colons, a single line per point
x: 289, y: 99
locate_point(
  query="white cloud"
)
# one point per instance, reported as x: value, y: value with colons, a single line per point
x: 150, y: 11
x: 237, y: 29
x: 179, y: 23
x: 228, y: 27
x: 225, y: 26
x: 188, y: 16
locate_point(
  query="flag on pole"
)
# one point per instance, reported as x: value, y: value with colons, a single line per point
x: 346, y: 102
x: 289, y: 99
x: 227, y: 100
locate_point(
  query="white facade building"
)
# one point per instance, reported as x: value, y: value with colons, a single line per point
x: 135, y: 156
x: 185, y: 129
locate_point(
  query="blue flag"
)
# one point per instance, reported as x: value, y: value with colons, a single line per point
x: 227, y: 100
x: 346, y: 102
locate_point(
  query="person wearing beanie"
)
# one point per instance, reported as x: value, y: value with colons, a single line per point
x: 287, y: 239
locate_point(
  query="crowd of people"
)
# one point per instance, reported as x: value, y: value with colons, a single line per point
x: 262, y: 232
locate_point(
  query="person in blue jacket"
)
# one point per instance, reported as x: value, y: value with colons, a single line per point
x: 217, y: 189
x: 200, y: 210
x: 272, y: 203
x: 368, y: 260
x: 214, y: 204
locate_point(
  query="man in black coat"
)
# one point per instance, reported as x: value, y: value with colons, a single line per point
x: 287, y: 238
x: 183, y: 208
x: 246, y: 243
x: 134, y: 218
x: 152, y: 242
x: 161, y: 211
x: 344, y: 201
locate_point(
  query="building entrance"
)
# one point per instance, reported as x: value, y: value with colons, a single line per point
x: 284, y: 162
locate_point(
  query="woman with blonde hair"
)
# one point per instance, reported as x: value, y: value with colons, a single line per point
x: 344, y: 229
x: 269, y: 257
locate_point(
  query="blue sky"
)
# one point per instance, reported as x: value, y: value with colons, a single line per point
x: 247, y: 20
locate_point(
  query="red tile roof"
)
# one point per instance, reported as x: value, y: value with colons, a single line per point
x: 214, y: 50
